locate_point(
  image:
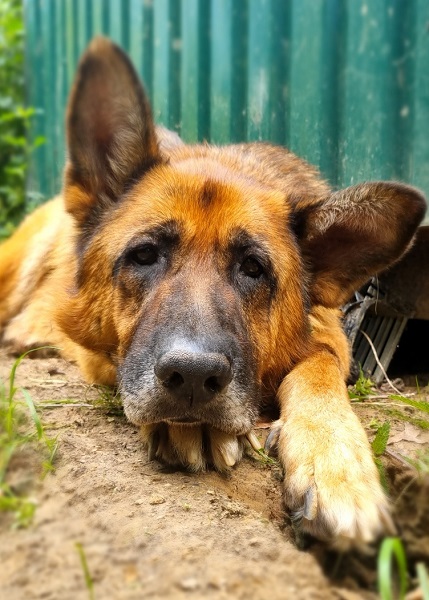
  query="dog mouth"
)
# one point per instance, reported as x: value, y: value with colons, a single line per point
x: 147, y: 402
x: 191, y: 421
x: 234, y: 415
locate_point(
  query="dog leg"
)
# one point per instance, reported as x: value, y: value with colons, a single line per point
x: 331, y: 481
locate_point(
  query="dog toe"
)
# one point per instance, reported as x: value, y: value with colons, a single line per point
x: 193, y: 447
x: 226, y: 449
x: 332, y: 488
x: 152, y: 444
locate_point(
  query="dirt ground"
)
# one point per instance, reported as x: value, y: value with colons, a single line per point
x: 151, y: 533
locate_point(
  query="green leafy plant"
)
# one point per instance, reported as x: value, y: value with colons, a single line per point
x: 14, y: 119
x: 363, y: 388
x: 379, y: 445
x: 20, y: 426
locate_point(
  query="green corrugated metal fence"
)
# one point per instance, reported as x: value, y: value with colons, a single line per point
x: 343, y: 83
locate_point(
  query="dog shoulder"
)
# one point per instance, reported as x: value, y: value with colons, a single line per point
x: 28, y: 256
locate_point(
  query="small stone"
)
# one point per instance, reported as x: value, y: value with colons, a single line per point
x: 156, y: 500
x: 190, y: 584
x: 254, y: 541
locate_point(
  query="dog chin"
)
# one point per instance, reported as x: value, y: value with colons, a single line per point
x: 234, y: 424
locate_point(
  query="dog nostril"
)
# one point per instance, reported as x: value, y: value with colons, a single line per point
x: 174, y: 381
x: 212, y: 385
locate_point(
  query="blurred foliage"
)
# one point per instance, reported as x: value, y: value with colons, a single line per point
x: 14, y: 119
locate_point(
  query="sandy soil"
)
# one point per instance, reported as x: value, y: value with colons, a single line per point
x: 152, y: 533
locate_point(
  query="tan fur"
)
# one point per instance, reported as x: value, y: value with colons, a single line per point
x: 73, y: 276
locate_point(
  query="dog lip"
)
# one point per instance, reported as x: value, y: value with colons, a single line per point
x: 182, y: 421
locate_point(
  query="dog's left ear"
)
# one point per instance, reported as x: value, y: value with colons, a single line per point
x: 110, y: 131
x: 354, y: 234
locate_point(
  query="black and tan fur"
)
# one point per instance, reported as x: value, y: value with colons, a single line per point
x: 205, y: 281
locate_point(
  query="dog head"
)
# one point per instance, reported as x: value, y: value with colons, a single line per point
x: 197, y: 266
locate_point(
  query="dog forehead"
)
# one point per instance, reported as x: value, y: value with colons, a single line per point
x: 207, y: 198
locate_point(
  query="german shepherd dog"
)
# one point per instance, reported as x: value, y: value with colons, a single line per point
x: 205, y: 282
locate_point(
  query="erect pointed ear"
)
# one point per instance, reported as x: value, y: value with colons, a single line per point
x: 354, y: 234
x: 110, y: 131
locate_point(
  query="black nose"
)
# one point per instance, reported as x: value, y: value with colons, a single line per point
x: 193, y: 376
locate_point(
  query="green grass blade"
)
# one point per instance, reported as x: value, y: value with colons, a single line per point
x: 423, y: 577
x: 391, y: 551
x: 268, y: 460
x: 12, y: 388
x: 88, y: 579
x: 9, y: 419
x: 418, y: 422
x: 52, y: 446
x: 33, y: 413
x: 22, y: 508
x: 7, y: 451
x: 419, y: 404
x: 16, y: 364
x: 12, y: 376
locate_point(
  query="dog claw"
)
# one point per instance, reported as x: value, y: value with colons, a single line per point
x: 253, y: 441
x: 308, y: 510
x: 272, y: 441
x: 229, y: 454
x: 229, y: 460
x: 310, y: 504
x: 152, y: 445
x: 226, y: 449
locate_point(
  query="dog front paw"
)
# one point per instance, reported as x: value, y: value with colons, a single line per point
x: 193, y: 447
x: 332, y: 487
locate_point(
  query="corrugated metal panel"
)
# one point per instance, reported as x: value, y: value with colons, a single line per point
x: 343, y: 83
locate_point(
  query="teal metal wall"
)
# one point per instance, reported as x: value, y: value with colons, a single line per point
x: 343, y: 83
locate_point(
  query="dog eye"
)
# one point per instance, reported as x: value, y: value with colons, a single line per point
x: 251, y: 267
x: 145, y: 255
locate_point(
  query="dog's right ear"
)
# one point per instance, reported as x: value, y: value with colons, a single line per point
x: 355, y: 233
x: 110, y: 131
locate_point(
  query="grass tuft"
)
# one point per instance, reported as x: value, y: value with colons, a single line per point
x: 362, y: 389
x: 109, y: 401
x: 263, y: 457
x: 20, y: 426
